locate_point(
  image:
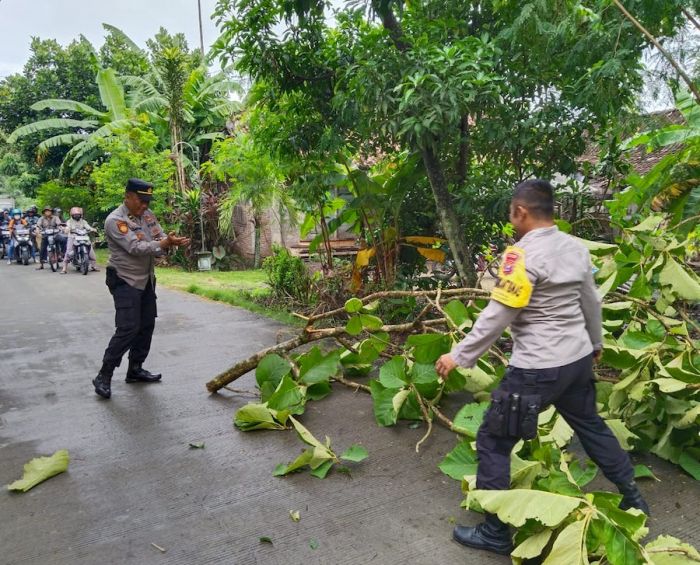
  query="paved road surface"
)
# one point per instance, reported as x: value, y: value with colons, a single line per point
x: 134, y: 482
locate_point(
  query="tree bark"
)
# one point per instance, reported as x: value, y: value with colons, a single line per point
x: 463, y: 160
x: 180, y: 181
x: 256, y: 244
x: 461, y: 252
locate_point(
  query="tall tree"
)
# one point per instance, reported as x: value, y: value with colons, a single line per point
x: 485, y: 91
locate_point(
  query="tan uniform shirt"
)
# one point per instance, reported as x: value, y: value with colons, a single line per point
x: 48, y: 223
x: 72, y: 225
x: 133, y: 244
x: 562, y: 321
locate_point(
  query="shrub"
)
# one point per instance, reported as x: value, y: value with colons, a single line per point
x: 287, y: 275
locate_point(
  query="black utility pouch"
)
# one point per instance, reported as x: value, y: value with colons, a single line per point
x: 530, y: 405
x: 497, y: 414
x: 529, y: 411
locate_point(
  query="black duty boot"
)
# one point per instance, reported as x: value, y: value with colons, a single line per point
x: 102, y: 382
x: 137, y: 374
x: 491, y: 535
x: 632, y: 498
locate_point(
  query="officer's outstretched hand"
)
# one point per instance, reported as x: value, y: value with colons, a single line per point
x: 444, y: 365
x: 177, y: 241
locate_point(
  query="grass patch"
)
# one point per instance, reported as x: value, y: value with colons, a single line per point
x: 237, y: 288
x: 242, y: 299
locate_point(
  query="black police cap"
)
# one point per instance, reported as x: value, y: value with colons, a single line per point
x: 141, y: 187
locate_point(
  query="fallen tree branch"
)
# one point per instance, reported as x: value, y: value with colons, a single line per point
x: 452, y: 293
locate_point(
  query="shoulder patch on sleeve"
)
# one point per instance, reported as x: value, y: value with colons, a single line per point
x: 122, y: 227
x: 513, y: 287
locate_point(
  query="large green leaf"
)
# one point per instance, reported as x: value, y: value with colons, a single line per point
x: 469, y: 418
x: 60, y: 140
x: 622, y: 433
x: 353, y: 305
x: 288, y: 396
x: 519, y: 505
x: 383, y: 403
x: 314, y: 367
x: 305, y: 435
x: 569, y: 546
x: 111, y: 93
x: 682, y: 284
x: 40, y: 469
x: 392, y: 374
x: 460, y: 461
x: 532, y: 546
x: 458, y: 313
x: 690, y: 464
x: 67, y: 105
x: 597, y: 247
x: 271, y: 369
x: 355, y: 453
x: 51, y: 123
x: 427, y: 348
x: 259, y: 417
x: 667, y: 550
x: 478, y: 378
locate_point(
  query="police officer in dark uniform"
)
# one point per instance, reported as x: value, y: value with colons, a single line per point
x: 546, y: 294
x: 135, y: 238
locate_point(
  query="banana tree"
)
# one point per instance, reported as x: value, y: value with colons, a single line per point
x: 192, y: 108
x: 673, y: 184
x: 84, y: 133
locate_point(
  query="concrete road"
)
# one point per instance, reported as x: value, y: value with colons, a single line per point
x: 133, y: 482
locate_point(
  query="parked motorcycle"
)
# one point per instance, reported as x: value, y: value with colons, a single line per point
x: 52, y: 251
x: 23, y: 244
x: 81, y: 250
x: 4, y: 241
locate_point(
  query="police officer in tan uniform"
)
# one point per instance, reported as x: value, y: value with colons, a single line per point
x: 546, y: 294
x: 135, y: 238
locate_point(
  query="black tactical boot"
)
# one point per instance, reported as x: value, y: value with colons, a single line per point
x: 137, y: 374
x: 632, y: 498
x: 491, y: 535
x: 102, y: 382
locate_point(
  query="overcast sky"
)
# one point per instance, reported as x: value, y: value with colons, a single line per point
x: 65, y: 20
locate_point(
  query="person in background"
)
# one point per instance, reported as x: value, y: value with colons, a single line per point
x: 76, y: 221
x: 47, y: 221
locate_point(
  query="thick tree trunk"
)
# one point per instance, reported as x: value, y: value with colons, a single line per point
x: 463, y: 159
x: 256, y: 256
x: 180, y: 181
x: 448, y: 218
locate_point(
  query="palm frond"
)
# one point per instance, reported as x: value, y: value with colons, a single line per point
x: 150, y: 104
x: 123, y: 36
x: 140, y: 85
x: 51, y: 123
x: 59, y: 140
x: 111, y: 93
x: 67, y: 105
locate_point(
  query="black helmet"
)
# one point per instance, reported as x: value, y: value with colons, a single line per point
x: 57, y: 211
x: 33, y: 208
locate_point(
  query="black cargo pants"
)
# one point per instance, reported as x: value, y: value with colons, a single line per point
x: 135, y: 320
x: 571, y: 390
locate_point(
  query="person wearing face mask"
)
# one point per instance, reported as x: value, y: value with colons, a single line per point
x: 546, y: 294
x: 135, y: 238
x: 16, y: 219
x: 75, y: 222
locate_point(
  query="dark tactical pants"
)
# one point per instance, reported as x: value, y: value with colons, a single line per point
x: 571, y: 390
x: 135, y: 320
